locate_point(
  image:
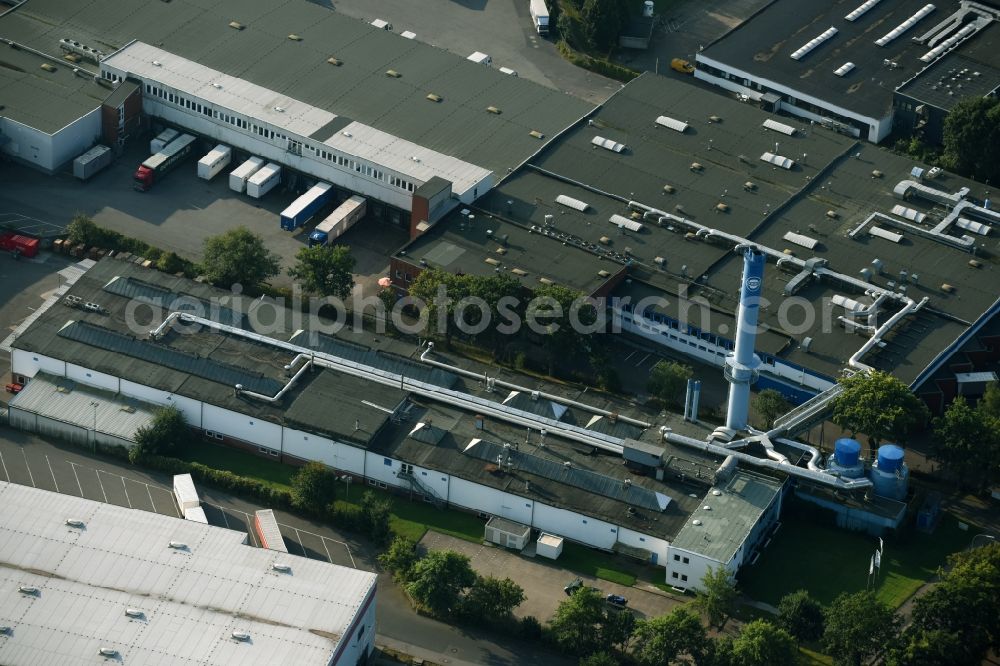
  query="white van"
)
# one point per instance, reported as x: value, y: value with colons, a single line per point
x: 508, y: 71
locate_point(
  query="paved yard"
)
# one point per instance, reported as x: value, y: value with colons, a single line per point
x: 543, y: 581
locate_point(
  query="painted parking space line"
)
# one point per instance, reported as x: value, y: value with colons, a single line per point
x: 125, y: 488
x: 27, y: 466
x: 78, y: 484
x: 150, y: 493
x: 5, y: 474
x: 62, y: 473
x: 328, y: 558
x: 630, y: 355
x: 643, y: 360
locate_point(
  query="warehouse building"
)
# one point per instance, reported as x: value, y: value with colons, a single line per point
x: 652, y: 193
x: 838, y: 63
x: 86, y: 582
x: 587, y: 472
x: 329, y: 97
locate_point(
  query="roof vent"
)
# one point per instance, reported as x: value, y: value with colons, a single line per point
x: 217, y: 86
x: 947, y: 288
x: 434, y: 98
x: 334, y: 61
x: 47, y: 67
x: 393, y: 73
x: 73, y: 522
x: 695, y: 166
x: 519, y: 271
x: 28, y: 589
x: 283, y: 568
x: 157, y: 63
x: 5, y: 629
x: 494, y: 110
x: 178, y: 545
x: 696, y: 522
x: 294, y: 38
x: 975, y: 263
x: 108, y: 652
x: 135, y: 612
x: 241, y: 635
x: 669, y: 189
x: 236, y: 25
x: 279, y: 109
x: 717, y: 492
x: 603, y: 274
x: 706, y: 508
x: 536, y: 134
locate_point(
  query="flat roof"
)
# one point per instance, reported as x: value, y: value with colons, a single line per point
x: 191, y: 599
x: 762, y: 46
x: 952, y: 78
x: 46, y: 101
x: 723, y: 521
x: 262, y: 54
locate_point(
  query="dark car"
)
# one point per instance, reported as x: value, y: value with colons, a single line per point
x: 616, y: 600
x: 573, y: 587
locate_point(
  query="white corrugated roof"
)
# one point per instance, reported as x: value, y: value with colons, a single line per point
x: 298, y: 118
x: 886, y: 234
x: 667, y: 121
x: 778, y: 160
x: 800, y: 239
x: 975, y: 377
x: 70, y: 402
x: 192, y: 600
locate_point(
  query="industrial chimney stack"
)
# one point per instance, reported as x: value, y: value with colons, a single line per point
x: 742, y: 365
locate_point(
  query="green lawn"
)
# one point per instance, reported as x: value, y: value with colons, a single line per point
x: 594, y: 563
x: 826, y: 561
x: 238, y: 462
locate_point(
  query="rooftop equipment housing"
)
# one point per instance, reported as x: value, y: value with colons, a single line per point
x: 778, y: 127
x: 613, y: 146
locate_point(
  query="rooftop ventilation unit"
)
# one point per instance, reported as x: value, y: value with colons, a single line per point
x: 908, y: 213
x: 336, y: 62
x: 47, y: 67
x: 879, y: 232
x: 294, y: 38
x: 494, y: 110
x: 178, y: 545
x: 283, y: 568
x: 861, y: 9
x: 668, y: 122
x: 813, y: 43
x: 778, y: 127
x: 570, y: 202
x: 393, y: 73
x: 519, y: 272
x: 623, y: 222
x: 801, y: 240
x: 973, y: 226
x: 536, y: 134
x: 28, y: 589
x: 108, y: 652
x: 778, y: 160
x: 236, y: 25
x: 434, y: 98
x: 73, y: 522
x: 73, y: 46
x: 950, y: 42
x: 134, y: 613
x: 904, y: 26
x: 613, y: 146
x: 844, y: 69
x: 408, y: 34
x: 72, y: 300
x: 241, y: 635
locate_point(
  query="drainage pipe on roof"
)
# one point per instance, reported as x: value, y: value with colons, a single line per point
x: 425, y: 357
x: 813, y: 476
x: 908, y: 308
x: 814, y: 455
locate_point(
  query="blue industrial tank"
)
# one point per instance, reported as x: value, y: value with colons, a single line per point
x: 890, y: 475
x: 846, y: 452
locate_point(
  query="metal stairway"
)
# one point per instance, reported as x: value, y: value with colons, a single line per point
x: 418, y: 487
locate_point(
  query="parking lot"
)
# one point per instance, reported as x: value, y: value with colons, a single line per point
x: 32, y: 462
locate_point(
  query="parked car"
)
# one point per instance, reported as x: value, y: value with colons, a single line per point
x: 573, y: 587
x: 14, y: 388
x: 616, y: 600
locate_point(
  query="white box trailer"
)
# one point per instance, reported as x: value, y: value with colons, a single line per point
x: 185, y: 492
x: 481, y: 58
x: 161, y: 140
x: 91, y: 162
x: 239, y: 177
x: 540, y: 16
x: 267, y: 530
x: 214, y: 162
x: 197, y: 514
x: 265, y: 180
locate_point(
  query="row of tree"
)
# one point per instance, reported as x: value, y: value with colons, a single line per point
x: 967, y: 440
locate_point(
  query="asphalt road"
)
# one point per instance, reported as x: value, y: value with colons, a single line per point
x: 59, y: 467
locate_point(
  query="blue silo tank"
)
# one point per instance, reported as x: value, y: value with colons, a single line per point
x: 890, y: 457
x: 846, y: 452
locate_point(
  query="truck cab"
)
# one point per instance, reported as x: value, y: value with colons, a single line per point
x: 143, y: 178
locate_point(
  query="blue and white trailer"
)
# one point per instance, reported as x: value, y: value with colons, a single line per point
x: 305, y: 207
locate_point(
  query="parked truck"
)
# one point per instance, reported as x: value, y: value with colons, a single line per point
x: 339, y: 221
x: 19, y: 246
x: 239, y: 177
x: 265, y: 180
x: 161, y: 140
x: 481, y: 58
x: 217, y: 159
x: 540, y: 16
x: 185, y: 493
x: 267, y: 529
x: 158, y: 165
x: 303, y: 208
x: 91, y: 162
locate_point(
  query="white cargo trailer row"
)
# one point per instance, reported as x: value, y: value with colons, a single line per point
x: 185, y: 492
x: 265, y: 180
x: 239, y: 177
x: 267, y: 529
x: 214, y: 162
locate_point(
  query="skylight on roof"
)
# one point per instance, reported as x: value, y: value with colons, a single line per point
x: 904, y: 26
x: 813, y: 43
x: 666, y: 121
x: 861, y: 9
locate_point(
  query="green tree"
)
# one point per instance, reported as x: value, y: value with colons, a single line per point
x: 967, y: 443
x: 375, y: 513
x: 399, y: 558
x: 760, y: 643
x: 492, y: 599
x: 327, y: 270
x: 238, y: 256
x: 170, y: 262
x: 563, y: 317
x: 617, y: 629
x: 878, y: 405
x: 857, y: 626
x: 677, y: 637
x: 801, y: 616
x: 971, y: 137
x: 717, y: 597
x: 439, y: 579
x: 576, y: 625
x: 314, y: 487
x: 922, y: 647
x: 439, y: 291
x: 602, y: 21
x: 494, y: 290
x: 667, y: 381
x: 164, y: 433
x: 599, y: 659
x: 770, y: 405
x: 989, y: 404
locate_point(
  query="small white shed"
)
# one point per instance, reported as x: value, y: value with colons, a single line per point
x: 507, y: 533
x: 549, y: 545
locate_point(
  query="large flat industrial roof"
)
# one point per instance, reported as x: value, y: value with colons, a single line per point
x: 763, y: 45
x: 951, y: 79
x: 191, y: 599
x: 262, y: 53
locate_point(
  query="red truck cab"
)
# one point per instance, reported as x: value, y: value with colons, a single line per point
x: 143, y: 178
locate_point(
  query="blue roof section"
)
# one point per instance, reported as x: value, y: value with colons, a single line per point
x: 169, y: 301
x: 616, y: 489
x: 206, y: 368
